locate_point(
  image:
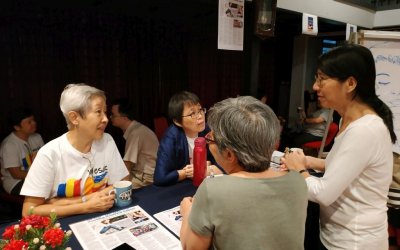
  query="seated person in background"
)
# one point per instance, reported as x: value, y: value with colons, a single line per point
x: 70, y: 173
x: 254, y: 206
x: 314, y: 128
x: 141, y: 144
x: 174, y: 157
x: 19, y: 149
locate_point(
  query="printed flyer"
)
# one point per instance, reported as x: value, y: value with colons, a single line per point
x: 132, y: 226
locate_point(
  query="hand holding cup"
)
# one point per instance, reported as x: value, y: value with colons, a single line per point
x: 123, y: 193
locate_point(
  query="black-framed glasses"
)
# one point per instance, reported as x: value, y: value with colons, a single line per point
x: 208, y: 138
x: 320, y: 80
x: 195, y: 114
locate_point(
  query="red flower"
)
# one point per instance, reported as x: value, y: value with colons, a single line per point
x: 16, y: 245
x: 9, y: 232
x: 42, y: 231
x: 54, y: 237
x: 36, y: 221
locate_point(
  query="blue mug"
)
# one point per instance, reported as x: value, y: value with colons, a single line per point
x: 123, y: 193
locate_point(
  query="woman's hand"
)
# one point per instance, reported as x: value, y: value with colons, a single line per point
x: 294, y: 160
x: 188, y: 171
x: 186, y: 206
x: 100, y: 201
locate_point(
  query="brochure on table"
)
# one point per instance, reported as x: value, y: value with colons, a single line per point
x: 133, y: 226
x: 172, y: 219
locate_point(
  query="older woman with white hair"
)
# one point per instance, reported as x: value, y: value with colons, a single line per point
x: 71, y: 173
x: 255, y: 206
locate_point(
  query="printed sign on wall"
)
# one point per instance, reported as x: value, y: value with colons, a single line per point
x: 350, y: 28
x: 310, y: 24
x: 230, y: 24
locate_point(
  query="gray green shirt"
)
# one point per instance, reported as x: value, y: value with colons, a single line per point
x: 244, y: 213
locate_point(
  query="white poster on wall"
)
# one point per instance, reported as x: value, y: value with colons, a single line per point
x: 350, y: 28
x: 310, y: 24
x: 230, y: 24
x: 386, y: 52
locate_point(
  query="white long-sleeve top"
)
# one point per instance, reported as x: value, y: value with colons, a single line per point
x: 353, y: 191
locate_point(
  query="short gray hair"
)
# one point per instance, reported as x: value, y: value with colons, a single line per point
x: 77, y: 97
x: 248, y: 127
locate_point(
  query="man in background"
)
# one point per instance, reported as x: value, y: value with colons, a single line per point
x: 18, y: 149
x: 141, y: 144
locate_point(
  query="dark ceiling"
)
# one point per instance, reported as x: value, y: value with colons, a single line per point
x: 171, y: 10
x: 189, y: 11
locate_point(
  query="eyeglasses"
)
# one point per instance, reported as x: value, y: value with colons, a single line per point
x: 208, y: 138
x: 194, y: 114
x: 319, y: 80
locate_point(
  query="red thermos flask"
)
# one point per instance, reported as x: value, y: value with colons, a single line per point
x: 199, y: 160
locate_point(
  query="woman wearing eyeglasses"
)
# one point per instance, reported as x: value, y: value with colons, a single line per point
x: 358, y: 169
x: 71, y: 173
x: 175, y: 153
x: 254, y: 206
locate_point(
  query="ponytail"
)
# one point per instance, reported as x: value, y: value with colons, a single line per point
x: 385, y: 113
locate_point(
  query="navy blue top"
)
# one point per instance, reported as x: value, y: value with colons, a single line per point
x: 173, y: 155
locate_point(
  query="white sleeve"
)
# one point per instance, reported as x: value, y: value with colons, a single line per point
x: 350, y: 158
x: 40, y: 141
x: 40, y: 178
x: 10, y: 155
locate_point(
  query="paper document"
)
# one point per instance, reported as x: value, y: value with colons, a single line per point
x: 171, y: 218
x: 133, y: 226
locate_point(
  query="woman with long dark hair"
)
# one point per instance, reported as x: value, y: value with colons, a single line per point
x: 358, y: 170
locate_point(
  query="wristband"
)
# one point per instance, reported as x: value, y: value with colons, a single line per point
x: 303, y: 170
x: 211, y: 171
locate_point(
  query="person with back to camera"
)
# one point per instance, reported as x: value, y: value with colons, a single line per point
x: 254, y: 206
x: 18, y: 149
x: 175, y: 153
x: 141, y: 143
x: 358, y: 169
x: 70, y: 173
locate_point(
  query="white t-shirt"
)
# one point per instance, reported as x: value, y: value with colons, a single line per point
x: 190, y: 147
x: 353, y: 191
x: 59, y: 170
x: 15, y: 152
